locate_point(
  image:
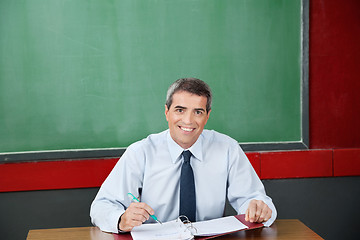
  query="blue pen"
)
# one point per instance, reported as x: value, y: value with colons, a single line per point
x: 137, y: 200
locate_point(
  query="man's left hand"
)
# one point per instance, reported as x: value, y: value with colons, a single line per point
x: 258, y: 212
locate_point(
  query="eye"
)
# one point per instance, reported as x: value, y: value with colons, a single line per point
x: 198, y: 112
x: 179, y: 110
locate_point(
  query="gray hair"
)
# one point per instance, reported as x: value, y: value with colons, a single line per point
x: 191, y: 85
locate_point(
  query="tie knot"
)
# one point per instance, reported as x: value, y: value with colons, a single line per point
x: 187, y: 154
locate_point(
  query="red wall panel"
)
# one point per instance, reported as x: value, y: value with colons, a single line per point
x: 254, y: 159
x: 54, y: 174
x: 334, y: 74
x: 91, y: 173
x: 296, y: 164
x: 346, y: 162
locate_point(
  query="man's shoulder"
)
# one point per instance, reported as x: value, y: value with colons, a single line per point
x: 140, y: 150
x: 154, y: 139
x: 212, y: 136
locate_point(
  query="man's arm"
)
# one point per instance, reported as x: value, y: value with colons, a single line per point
x: 246, y: 192
x: 112, y: 200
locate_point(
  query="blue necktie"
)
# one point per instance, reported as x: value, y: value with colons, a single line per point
x: 187, y: 189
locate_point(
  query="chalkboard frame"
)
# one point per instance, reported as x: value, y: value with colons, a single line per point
x: 248, y: 147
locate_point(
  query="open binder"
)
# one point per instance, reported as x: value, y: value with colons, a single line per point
x: 177, y: 229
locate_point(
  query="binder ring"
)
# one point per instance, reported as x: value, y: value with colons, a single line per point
x: 187, y: 223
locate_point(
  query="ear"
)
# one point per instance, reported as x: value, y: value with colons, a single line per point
x: 166, y: 112
x: 208, y: 115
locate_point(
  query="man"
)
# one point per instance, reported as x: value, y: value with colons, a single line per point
x: 216, y: 169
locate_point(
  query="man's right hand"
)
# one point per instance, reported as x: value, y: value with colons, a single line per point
x: 135, y: 215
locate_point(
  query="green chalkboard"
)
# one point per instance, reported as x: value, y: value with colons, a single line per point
x: 91, y: 74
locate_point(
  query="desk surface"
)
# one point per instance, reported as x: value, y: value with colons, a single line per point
x: 282, y: 229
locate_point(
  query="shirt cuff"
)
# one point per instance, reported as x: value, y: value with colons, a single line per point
x: 118, y: 225
x: 113, y: 220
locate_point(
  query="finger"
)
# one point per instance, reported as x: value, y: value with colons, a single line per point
x: 251, y: 211
x: 128, y: 226
x: 259, y: 211
x: 247, y: 215
x: 140, y: 209
x: 139, y: 216
x: 147, y: 208
x: 262, y: 215
x: 267, y: 215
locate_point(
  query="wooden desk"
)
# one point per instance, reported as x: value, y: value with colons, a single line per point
x: 282, y: 229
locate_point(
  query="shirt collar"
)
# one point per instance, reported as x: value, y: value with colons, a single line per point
x: 176, y: 151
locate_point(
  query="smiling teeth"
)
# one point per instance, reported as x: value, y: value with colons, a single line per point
x: 187, y: 129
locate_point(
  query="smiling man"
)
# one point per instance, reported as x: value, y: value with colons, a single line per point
x: 184, y: 170
x: 186, y: 117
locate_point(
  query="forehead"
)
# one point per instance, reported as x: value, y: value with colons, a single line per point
x: 189, y: 100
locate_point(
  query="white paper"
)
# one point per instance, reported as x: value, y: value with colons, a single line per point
x: 169, y: 230
x: 218, y: 226
x: 177, y: 230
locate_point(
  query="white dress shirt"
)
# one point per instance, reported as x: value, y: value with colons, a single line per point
x: 221, y: 169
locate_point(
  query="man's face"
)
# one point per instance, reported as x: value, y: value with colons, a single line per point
x: 187, y: 117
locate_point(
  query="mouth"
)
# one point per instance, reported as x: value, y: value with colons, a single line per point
x: 187, y: 129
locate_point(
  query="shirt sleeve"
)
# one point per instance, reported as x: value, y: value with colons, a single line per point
x: 244, y: 185
x: 112, y: 199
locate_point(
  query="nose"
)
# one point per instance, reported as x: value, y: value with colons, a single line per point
x: 188, y: 118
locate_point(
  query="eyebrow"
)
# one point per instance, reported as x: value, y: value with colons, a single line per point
x: 196, y: 109
x: 181, y: 107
